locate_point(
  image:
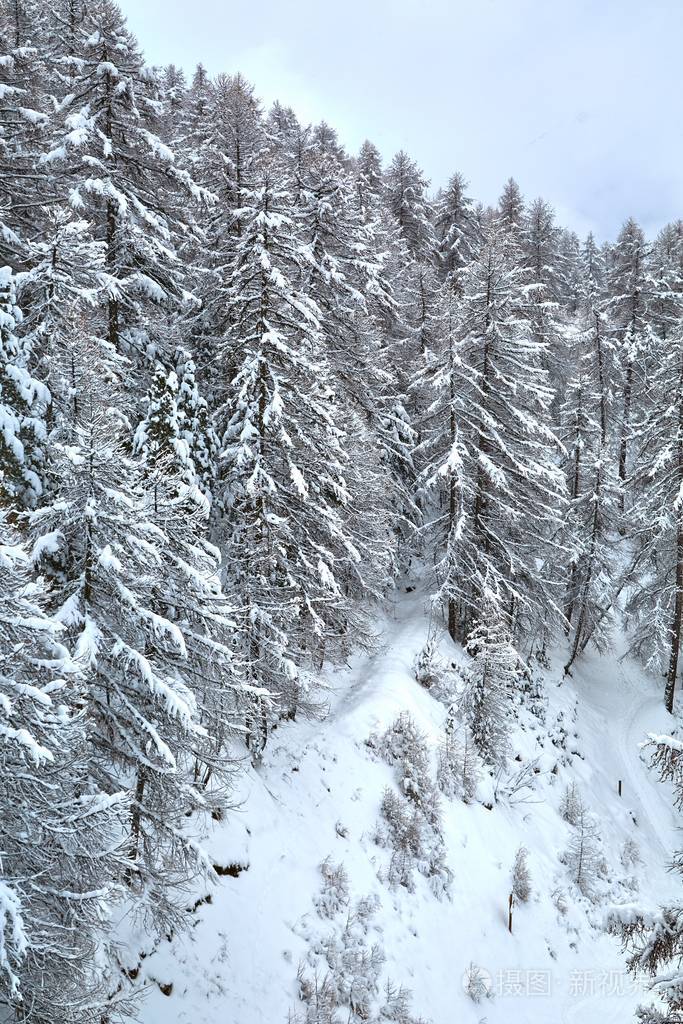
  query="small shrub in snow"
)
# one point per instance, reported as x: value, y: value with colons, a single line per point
x: 416, y: 844
x: 334, y: 895
x: 404, y: 746
x: 396, y: 1008
x: 630, y: 853
x: 411, y: 822
x: 401, y: 870
x: 558, y: 898
x: 429, y: 667
x: 457, y: 771
x: 320, y: 998
x: 477, y: 983
x: 572, y: 807
x: 521, y: 878
x: 582, y: 857
x: 341, y: 981
x: 519, y: 786
x: 402, y: 822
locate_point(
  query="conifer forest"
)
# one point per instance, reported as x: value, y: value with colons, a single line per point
x: 341, y: 570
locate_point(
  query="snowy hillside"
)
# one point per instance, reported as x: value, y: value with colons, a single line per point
x: 316, y: 800
x: 341, y: 562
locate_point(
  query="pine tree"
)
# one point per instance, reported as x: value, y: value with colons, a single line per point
x: 59, y: 835
x: 23, y: 125
x: 492, y: 683
x: 126, y: 580
x: 117, y: 172
x: 629, y: 302
x: 283, y: 468
x: 655, y: 940
x: 158, y: 437
x: 506, y: 446
x: 441, y: 458
x: 511, y: 208
x: 406, y: 191
x: 195, y: 423
x: 593, y: 492
x: 456, y: 229
x: 583, y: 856
x: 546, y: 285
x: 23, y: 404
x: 655, y: 602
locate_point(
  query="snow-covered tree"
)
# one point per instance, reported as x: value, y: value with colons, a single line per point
x: 655, y: 939
x: 59, y: 836
x: 502, y: 453
x: 493, y: 680
x: 406, y: 191
x: 158, y: 437
x: 23, y: 404
x: 655, y: 602
x: 629, y: 311
x: 456, y: 229
x: 135, y: 591
x: 511, y: 208
x: 119, y: 175
x: 283, y: 486
x: 593, y: 508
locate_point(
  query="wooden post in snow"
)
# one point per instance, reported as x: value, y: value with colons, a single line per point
x: 619, y: 787
x: 510, y: 913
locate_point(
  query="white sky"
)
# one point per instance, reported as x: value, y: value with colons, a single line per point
x: 580, y: 100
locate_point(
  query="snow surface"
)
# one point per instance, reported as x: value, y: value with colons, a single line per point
x: 317, y: 795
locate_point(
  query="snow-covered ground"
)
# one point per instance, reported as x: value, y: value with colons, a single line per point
x: 317, y: 796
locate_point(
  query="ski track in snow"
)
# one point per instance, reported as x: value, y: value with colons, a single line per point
x: 238, y: 966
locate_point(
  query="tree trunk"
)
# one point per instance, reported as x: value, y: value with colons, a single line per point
x: 136, y: 815
x: 625, y: 426
x: 678, y: 602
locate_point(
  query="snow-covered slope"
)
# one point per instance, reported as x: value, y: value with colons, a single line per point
x: 317, y: 798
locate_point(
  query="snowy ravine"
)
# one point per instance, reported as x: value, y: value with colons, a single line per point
x: 317, y: 796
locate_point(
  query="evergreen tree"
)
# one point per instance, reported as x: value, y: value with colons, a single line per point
x: 158, y: 438
x: 406, y: 191
x: 630, y: 318
x: 492, y: 682
x: 506, y: 451
x: 593, y: 491
x: 127, y: 573
x: 283, y: 482
x: 546, y: 286
x: 59, y: 836
x: 456, y: 229
x: 655, y: 940
x: 118, y: 174
x: 23, y: 403
x: 511, y: 208
x: 655, y: 602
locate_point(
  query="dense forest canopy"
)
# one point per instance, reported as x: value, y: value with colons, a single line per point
x: 245, y: 378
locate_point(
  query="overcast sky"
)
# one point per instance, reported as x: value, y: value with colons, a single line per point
x: 580, y: 100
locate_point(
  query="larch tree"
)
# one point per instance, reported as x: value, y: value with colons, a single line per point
x: 629, y: 301
x: 23, y: 404
x: 60, y: 836
x: 509, y: 449
x: 655, y: 603
x: 116, y: 173
x: 456, y: 229
x: 492, y: 682
x: 406, y: 192
x: 282, y: 469
x: 112, y: 554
